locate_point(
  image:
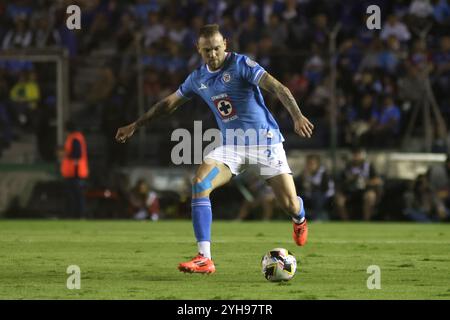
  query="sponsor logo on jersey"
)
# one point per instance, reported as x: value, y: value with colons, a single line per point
x: 224, y: 107
x: 202, y: 86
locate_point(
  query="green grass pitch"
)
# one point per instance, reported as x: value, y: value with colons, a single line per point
x: 138, y: 260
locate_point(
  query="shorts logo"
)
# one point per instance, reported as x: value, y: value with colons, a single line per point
x: 226, y: 77
x: 225, y: 107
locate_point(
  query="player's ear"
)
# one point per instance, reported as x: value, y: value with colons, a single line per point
x: 225, y: 43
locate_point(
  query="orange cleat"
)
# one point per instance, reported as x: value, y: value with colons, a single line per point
x: 199, y: 264
x: 300, y: 234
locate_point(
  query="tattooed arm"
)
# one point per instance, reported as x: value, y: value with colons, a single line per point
x: 302, y: 125
x: 163, y: 107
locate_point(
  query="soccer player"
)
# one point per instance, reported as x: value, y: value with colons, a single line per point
x: 230, y: 85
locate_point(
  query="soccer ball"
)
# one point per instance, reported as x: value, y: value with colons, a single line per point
x: 278, y: 265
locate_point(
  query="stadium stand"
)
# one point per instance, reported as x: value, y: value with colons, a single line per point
x: 129, y: 54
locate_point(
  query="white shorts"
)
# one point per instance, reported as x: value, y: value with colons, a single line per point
x: 270, y: 160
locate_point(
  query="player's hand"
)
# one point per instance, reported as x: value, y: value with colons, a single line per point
x: 303, y: 127
x: 125, y: 133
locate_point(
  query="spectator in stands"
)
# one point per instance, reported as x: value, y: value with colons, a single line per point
x: 229, y: 31
x: 20, y: 37
x: 25, y: 96
x: 271, y: 8
x: 44, y: 34
x: 319, y: 99
x: 439, y: 178
x: 74, y: 170
x: 277, y: 30
x: 366, y: 82
x: 319, y: 32
x: 396, y: 28
x: 299, y: 28
x: 386, y: 127
x: 359, y: 188
x: 176, y: 64
x: 190, y: 40
x: 257, y: 194
x: 142, y: 8
x: 316, y: 187
x: 349, y: 58
x: 360, y: 119
x: 268, y: 54
x: 177, y: 32
x: 153, y: 30
x: 246, y: 10
x: 314, y: 67
x: 290, y: 12
x: 249, y: 32
x: 144, y: 203
x: 441, y: 59
x: 421, y: 8
x: 99, y: 35
x: 125, y: 33
x: 422, y: 203
x: 389, y: 58
x: 441, y: 12
x: 420, y: 57
x: 18, y: 9
x: 370, y: 60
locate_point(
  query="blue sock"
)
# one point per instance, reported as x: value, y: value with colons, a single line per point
x: 202, y: 218
x: 301, y: 215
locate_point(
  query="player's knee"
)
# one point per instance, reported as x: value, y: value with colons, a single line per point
x: 196, y: 180
x: 199, y: 187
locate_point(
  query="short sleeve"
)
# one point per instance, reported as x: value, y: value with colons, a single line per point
x: 187, y: 88
x: 250, y: 70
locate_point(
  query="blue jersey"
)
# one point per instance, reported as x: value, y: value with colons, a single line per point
x: 233, y: 95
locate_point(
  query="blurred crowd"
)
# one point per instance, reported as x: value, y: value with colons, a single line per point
x: 380, y: 73
x: 358, y: 192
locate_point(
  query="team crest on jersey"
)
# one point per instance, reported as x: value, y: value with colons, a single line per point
x: 226, y: 77
x: 250, y: 62
x: 224, y: 107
